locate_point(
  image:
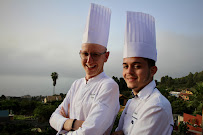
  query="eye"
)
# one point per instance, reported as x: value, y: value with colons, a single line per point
x: 85, y: 54
x: 137, y: 66
x: 95, y: 54
x: 125, y: 66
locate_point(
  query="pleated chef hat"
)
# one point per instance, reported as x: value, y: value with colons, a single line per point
x: 140, y: 36
x: 98, y: 25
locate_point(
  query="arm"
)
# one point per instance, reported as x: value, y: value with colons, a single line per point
x: 57, y: 120
x: 102, y: 113
x: 69, y: 122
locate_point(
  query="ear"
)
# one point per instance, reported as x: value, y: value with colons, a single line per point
x: 106, y: 56
x: 153, y: 70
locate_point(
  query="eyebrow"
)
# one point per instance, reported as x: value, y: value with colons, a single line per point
x: 133, y: 63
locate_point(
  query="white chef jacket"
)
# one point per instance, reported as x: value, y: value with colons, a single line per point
x: 148, y: 113
x: 96, y: 102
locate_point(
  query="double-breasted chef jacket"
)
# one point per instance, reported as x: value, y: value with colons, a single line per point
x: 96, y: 102
x: 148, y: 113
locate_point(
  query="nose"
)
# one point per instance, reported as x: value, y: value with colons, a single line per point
x: 89, y: 59
x: 130, y: 70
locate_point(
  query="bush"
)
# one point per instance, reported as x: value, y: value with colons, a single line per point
x: 44, y: 112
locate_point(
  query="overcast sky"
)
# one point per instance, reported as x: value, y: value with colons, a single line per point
x: 38, y: 37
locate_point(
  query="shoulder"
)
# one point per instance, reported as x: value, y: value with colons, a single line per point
x: 78, y: 81
x: 156, y: 98
x: 76, y: 84
x: 107, y: 85
x: 106, y: 80
x: 158, y: 102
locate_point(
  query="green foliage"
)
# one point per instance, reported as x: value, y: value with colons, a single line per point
x: 21, y: 106
x: 44, y: 112
x: 122, y: 86
x: 164, y: 92
x: 182, y: 128
x: 188, y: 81
x: 196, y: 98
x: 116, y: 121
x: 25, y: 128
x: 22, y: 117
x: 179, y: 106
x: 16, y: 129
x: 54, y: 76
x: 10, y: 105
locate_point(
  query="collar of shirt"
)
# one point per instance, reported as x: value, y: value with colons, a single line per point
x: 147, y: 90
x: 94, y: 79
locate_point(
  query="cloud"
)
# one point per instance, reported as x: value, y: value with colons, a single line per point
x: 179, y: 54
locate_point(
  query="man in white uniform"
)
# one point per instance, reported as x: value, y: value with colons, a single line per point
x: 92, y: 102
x: 149, y: 112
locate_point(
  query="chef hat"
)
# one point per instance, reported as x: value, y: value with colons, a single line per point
x: 140, y: 36
x: 98, y: 25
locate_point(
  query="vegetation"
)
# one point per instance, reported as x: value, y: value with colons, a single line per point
x: 54, y: 77
x: 176, y: 84
x: 30, y: 117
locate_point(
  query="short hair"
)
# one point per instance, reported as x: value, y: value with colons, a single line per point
x: 150, y: 62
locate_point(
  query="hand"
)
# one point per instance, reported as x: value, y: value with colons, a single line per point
x: 63, y: 113
x: 68, y: 124
x: 77, y: 124
x: 118, y: 133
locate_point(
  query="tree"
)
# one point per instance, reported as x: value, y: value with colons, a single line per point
x: 190, y: 81
x: 3, y: 97
x: 182, y: 128
x: 54, y: 76
x: 198, y: 94
x: 43, y: 112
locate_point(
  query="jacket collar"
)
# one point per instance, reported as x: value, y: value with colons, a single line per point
x: 147, y: 90
x: 94, y: 79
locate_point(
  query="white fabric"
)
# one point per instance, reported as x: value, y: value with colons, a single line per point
x: 98, y: 25
x: 96, y: 103
x: 140, y: 36
x: 148, y: 113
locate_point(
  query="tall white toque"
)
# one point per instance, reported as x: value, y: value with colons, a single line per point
x: 98, y: 25
x: 140, y: 36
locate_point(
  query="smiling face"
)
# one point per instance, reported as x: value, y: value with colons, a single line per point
x: 92, y: 66
x: 137, y: 73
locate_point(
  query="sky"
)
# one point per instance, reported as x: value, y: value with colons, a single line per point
x: 38, y: 37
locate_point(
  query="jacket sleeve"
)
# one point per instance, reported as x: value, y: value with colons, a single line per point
x: 57, y: 120
x: 103, y: 112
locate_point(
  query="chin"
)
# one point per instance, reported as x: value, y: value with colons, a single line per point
x: 131, y: 87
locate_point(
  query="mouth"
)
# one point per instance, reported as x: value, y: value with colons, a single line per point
x: 131, y: 79
x: 90, y: 67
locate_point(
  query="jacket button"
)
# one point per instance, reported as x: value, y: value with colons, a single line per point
x: 132, y: 121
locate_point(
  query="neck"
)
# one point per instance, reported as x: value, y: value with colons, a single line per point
x: 89, y: 77
x: 135, y: 92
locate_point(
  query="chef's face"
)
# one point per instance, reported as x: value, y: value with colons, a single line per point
x: 137, y: 73
x: 93, y: 57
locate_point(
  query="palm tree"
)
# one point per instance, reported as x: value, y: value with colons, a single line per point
x: 54, y: 77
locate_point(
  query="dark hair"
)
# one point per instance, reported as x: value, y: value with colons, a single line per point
x: 150, y: 62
